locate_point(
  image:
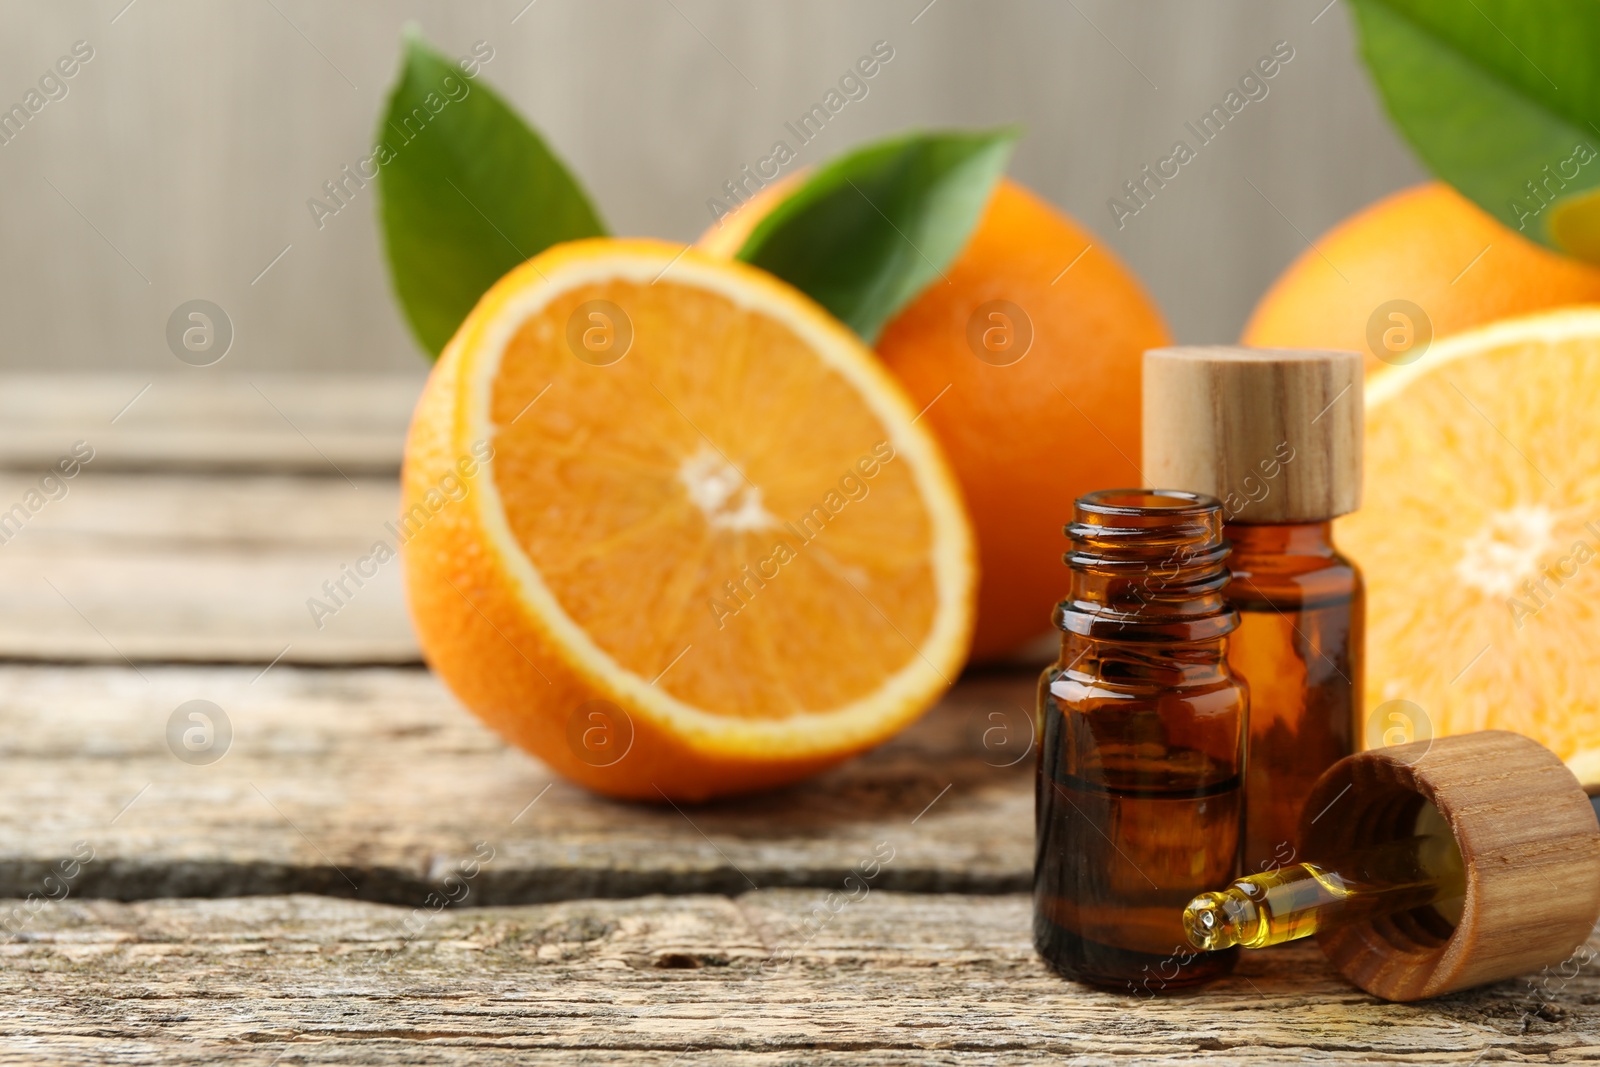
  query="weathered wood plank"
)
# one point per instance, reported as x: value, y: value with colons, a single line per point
x: 137, y: 567
x: 178, y: 543
x: 209, y: 510
x: 768, y: 978
x: 208, y: 421
x: 374, y: 783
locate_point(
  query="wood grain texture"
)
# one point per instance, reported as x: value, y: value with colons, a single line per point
x: 767, y: 978
x: 208, y: 513
x: 330, y: 425
x: 1275, y: 434
x: 1529, y: 845
x: 197, y: 533
x: 129, y: 567
x: 375, y: 784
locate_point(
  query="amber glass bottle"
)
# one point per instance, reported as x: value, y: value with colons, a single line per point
x: 1142, y: 744
x: 1275, y: 434
x: 1301, y: 611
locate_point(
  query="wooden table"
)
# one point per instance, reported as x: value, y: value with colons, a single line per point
x: 293, y: 901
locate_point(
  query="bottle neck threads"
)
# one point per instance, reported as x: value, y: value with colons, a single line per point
x: 1147, y: 565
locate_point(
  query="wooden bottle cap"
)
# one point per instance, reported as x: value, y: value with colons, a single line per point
x: 1274, y: 433
x: 1528, y: 838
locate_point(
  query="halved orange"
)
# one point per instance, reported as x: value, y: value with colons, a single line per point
x: 1480, y: 536
x: 677, y: 532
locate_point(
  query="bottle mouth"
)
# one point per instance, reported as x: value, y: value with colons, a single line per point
x: 1131, y: 523
x: 1169, y: 503
x: 1144, y: 559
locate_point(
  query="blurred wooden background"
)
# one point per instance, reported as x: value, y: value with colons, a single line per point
x: 179, y: 163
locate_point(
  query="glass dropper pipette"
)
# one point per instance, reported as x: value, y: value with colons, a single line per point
x: 1298, y: 900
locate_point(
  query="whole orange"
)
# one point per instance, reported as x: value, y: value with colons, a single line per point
x: 1429, y: 247
x: 1026, y: 357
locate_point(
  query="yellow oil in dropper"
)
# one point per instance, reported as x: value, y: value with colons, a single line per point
x: 1296, y: 901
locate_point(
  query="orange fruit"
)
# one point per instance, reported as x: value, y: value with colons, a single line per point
x: 673, y: 529
x: 729, y: 233
x: 1479, y: 536
x: 1429, y: 247
x: 1026, y: 357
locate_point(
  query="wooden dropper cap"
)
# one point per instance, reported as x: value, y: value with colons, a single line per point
x: 1274, y: 433
x: 1529, y: 843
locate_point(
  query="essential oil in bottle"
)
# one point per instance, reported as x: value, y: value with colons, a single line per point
x: 1301, y: 612
x: 1275, y: 434
x: 1138, y: 802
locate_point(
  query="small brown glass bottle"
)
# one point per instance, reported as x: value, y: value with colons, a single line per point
x: 1301, y: 610
x: 1276, y: 435
x: 1138, y: 802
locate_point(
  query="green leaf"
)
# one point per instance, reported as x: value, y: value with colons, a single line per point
x: 1500, y: 98
x: 870, y: 230
x: 467, y: 191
